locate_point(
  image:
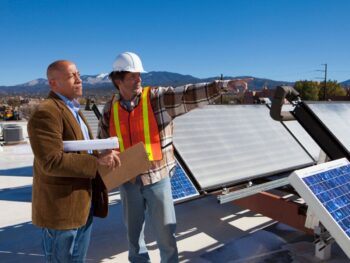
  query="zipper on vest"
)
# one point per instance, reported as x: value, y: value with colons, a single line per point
x: 131, y: 144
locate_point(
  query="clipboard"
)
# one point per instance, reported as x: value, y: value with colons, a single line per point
x: 134, y: 161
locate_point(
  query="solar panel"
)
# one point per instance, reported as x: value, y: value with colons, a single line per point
x: 91, y: 118
x: 226, y: 144
x: 326, y: 189
x: 301, y: 135
x: 181, y: 186
x: 336, y: 117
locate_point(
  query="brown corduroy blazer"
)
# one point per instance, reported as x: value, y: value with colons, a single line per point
x: 65, y: 185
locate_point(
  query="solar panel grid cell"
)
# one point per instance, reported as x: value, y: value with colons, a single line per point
x: 181, y: 186
x: 326, y: 190
x: 332, y: 189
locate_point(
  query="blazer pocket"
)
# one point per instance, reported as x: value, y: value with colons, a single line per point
x: 81, y: 201
x: 56, y: 203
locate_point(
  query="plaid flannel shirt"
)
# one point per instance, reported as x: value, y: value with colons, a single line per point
x: 167, y: 103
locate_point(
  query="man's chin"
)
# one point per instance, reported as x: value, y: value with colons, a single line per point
x: 138, y: 91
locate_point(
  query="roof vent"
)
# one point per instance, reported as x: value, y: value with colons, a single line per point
x: 12, y: 134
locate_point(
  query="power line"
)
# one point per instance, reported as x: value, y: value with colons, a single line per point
x: 325, y: 79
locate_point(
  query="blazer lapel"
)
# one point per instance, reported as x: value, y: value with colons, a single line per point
x: 87, y: 124
x: 73, y: 122
x: 68, y: 115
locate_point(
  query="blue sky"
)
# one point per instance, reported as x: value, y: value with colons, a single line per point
x: 276, y: 39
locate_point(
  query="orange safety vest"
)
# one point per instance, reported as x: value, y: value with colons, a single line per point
x: 136, y: 126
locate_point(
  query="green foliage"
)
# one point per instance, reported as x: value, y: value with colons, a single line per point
x: 333, y: 88
x: 313, y: 90
x: 309, y: 90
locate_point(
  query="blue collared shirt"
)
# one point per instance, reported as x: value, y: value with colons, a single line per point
x: 74, y: 107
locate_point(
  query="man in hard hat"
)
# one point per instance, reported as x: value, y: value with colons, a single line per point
x: 136, y: 114
x: 67, y: 190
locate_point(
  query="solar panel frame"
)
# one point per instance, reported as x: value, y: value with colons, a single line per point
x: 311, y: 183
x: 200, y: 140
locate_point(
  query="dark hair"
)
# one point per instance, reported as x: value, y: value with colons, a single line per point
x: 117, y: 75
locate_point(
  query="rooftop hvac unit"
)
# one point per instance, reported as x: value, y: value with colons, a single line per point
x: 12, y: 134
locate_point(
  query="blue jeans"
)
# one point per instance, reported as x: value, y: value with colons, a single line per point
x: 65, y: 246
x: 155, y: 200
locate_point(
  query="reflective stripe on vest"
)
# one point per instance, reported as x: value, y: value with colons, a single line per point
x: 138, y: 125
x: 117, y: 126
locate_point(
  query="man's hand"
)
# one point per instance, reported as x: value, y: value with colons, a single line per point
x: 235, y: 84
x: 109, y: 158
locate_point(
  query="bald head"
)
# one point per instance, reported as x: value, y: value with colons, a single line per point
x: 64, y: 78
x: 57, y: 66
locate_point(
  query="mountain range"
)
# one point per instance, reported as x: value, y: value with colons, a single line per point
x: 100, y: 84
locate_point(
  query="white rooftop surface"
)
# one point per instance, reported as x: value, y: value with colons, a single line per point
x: 206, y: 231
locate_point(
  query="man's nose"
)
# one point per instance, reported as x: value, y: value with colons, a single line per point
x: 138, y: 78
x: 78, y: 79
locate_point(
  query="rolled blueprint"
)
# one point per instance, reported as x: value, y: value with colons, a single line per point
x: 85, y: 145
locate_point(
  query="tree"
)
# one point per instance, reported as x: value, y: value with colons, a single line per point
x: 14, y: 102
x: 309, y: 90
x: 333, y: 88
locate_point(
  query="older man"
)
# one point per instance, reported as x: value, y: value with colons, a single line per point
x: 67, y: 190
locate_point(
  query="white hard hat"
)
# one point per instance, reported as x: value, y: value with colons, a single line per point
x: 128, y: 61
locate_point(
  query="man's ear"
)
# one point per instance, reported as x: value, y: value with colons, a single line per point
x: 53, y: 83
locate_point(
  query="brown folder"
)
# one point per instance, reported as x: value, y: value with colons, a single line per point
x: 134, y: 161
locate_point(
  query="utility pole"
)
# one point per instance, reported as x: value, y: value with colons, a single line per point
x: 325, y: 82
x: 221, y: 78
